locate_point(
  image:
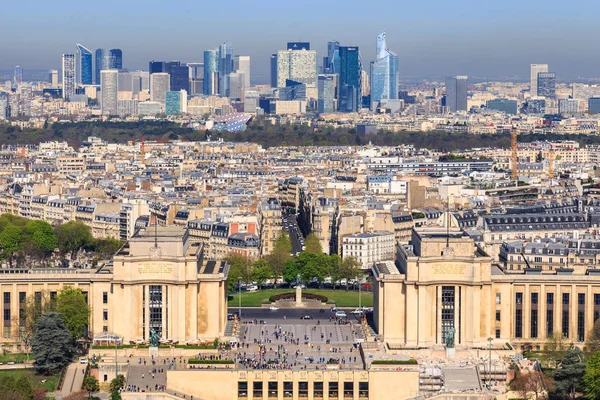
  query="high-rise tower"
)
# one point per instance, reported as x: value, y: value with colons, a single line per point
x: 534, y: 70
x: 350, y: 90
x: 384, y: 73
x: 68, y: 75
x: 101, y: 63
x: 225, y: 67
x: 85, y: 66
x: 115, y: 59
x: 109, y: 91
x: 456, y: 93
x: 211, y: 72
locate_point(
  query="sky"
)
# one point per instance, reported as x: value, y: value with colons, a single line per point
x: 432, y: 38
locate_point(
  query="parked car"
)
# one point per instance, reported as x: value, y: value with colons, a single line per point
x: 306, y: 317
x: 340, y: 314
x: 333, y: 309
x: 357, y: 312
x: 83, y: 360
x: 273, y: 308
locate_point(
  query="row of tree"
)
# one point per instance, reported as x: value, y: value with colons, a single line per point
x: 310, y: 265
x: 22, y: 238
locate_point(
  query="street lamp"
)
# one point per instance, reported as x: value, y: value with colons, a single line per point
x: 240, y: 298
x: 490, y: 363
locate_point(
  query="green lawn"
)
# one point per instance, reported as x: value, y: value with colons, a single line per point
x: 341, y: 298
x: 49, y: 383
x: 15, y: 357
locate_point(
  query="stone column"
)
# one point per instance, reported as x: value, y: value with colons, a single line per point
x: 298, y: 295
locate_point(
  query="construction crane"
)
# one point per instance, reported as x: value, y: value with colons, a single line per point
x: 513, y: 156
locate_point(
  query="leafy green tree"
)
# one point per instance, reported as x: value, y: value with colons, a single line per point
x: 72, y: 236
x: 23, y: 386
x: 33, y: 308
x: 350, y: 269
x: 52, y: 344
x: 591, y: 378
x: 72, y: 304
x: 91, y: 385
x: 335, y: 268
x: 261, y: 271
x: 10, y: 241
x: 239, y: 270
x: 313, y: 244
x: 280, y: 254
x: 568, y: 377
x: 291, y: 270
x: 592, y: 343
x: 42, y: 234
x: 107, y: 247
x: 555, y: 350
x: 117, y: 384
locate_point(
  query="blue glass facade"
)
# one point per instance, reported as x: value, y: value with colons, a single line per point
x: 115, y: 59
x: 225, y: 67
x: 298, y: 46
x: 173, y: 103
x: 350, y: 79
x: 211, y: 70
x: 384, y: 73
x: 594, y: 105
x: 326, y: 87
x: 505, y: 105
x: 85, y: 64
x: 101, y: 63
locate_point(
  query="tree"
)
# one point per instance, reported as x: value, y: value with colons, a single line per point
x: 568, y: 376
x: 291, y: 270
x: 10, y: 241
x: 591, y: 378
x: 531, y: 381
x: 34, y: 307
x: 313, y: 244
x: 280, y: 254
x: 261, y: 271
x: 107, y: 247
x: 350, y: 269
x: 592, y: 343
x: 239, y: 270
x: 555, y: 350
x: 116, y: 385
x: 91, y: 385
x: 42, y: 234
x: 72, y: 304
x: 72, y: 236
x: 23, y: 386
x: 52, y: 344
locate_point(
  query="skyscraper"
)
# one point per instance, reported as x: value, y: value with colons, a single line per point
x: 241, y: 64
x: 350, y: 91
x: 101, y: 63
x: 237, y: 84
x: 180, y: 76
x: 384, y: 73
x: 176, y: 102
x: 68, y: 75
x: 456, y: 93
x: 109, y: 91
x: 18, y: 75
x: 85, y: 66
x: 115, y: 59
x: 297, y: 65
x: 326, y: 87
x: 546, y: 84
x: 332, y: 64
x: 273, y: 70
x: 53, y: 78
x: 211, y: 72
x: 156, y: 66
x: 535, y: 69
x: 298, y: 46
x: 160, y: 84
x: 225, y: 67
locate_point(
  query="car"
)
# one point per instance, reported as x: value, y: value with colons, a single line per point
x: 357, y: 312
x: 333, y: 309
x: 83, y: 360
x: 273, y: 308
x: 306, y: 317
x: 340, y: 314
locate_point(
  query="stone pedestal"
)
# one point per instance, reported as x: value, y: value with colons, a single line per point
x: 450, y: 352
x: 153, y: 351
x: 298, y: 295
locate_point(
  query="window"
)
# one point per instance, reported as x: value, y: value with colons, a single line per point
x: 363, y: 390
x: 243, y: 389
x: 519, y: 316
x: 596, y: 299
x: 580, y: 325
x: 348, y: 390
x: 303, y: 389
x: 498, y: 298
x: 288, y: 389
x: 581, y: 299
x: 105, y: 315
x: 565, y: 322
x: 549, y: 298
x: 104, y: 297
x: 534, y: 323
x: 498, y: 315
x: 105, y: 328
x: 519, y: 298
x: 257, y: 389
x: 497, y: 333
x: 333, y: 389
x: 318, y: 389
x: 273, y: 389
x: 565, y: 299
x: 534, y: 298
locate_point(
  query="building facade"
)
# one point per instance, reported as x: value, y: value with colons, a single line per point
x: 69, y: 75
x: 369, y: 248
x: 84, y: 65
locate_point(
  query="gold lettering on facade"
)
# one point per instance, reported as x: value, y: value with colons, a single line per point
x: 449, y: 269
x: 155, y: 268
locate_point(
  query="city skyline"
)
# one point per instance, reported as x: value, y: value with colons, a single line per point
x: 475, y: 41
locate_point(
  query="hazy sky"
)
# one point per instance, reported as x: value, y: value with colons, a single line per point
x: 433, y: 38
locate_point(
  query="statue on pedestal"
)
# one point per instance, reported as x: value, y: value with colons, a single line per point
x: 154, y: 338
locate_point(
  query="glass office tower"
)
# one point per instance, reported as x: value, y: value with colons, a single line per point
x: 101, y: 63
x: 211, y: 72
x: 85, y: 65
x: 350, y: 79
x: 115, y: 59
x: 384, y: 73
